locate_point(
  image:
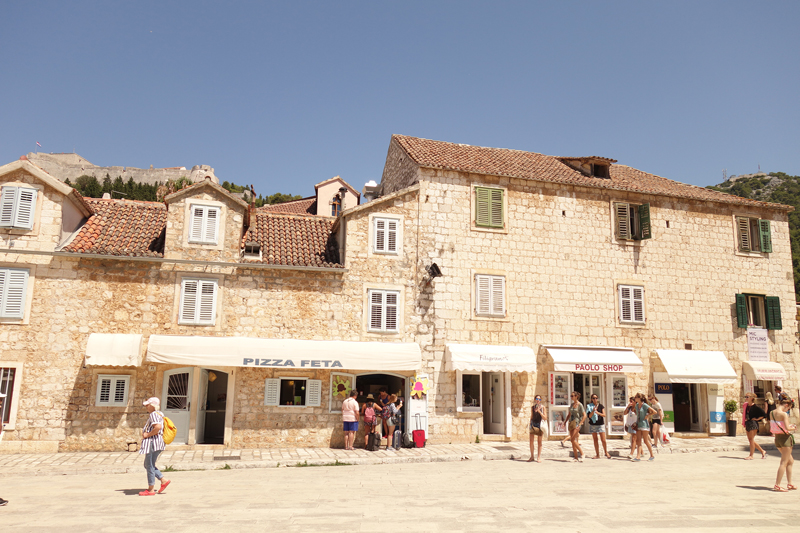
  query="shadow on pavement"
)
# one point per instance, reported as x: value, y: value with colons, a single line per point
x: 130, y: 492
x: 753, y: 488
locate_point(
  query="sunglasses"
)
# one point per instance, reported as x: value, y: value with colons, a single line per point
x: 538, y: 399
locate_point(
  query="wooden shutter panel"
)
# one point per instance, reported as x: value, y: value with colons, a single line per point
x: 622, y: 221
x: 208, y: 302
x: 189, y: 299
x: 212, y: 225
x: 637, y: 294
x: 743, y: 225
x: 375, y: 310
x: 26, y: 208
x: 391, y: 312
x: 13, y: 287
x: 313, y: 393
x: 765, y: 234
x: 498, y: 296
x: 8, y: 200
x: 625, y: 304
x: 196, y: 232
x: 272, y: 389
x: 773, y: 305
x: 496, y: 208
x: 644, y: 222
x: 482, y: 295
x: 391, y: 236
x: 104, y: 395
x: 482, y: 206
x: 380, y: 235
x: 120, y: 394
x: 741, y: 311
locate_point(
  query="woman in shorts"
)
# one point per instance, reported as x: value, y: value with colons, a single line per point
x: 752, y: 415
x: 577, y: 415
x: 630, y: 423
x: 538, y: 419
x: 643, y: 427
x: 389, y: 413
x: 596, y: 412
x: 784, y: 441
x: 657, y: 420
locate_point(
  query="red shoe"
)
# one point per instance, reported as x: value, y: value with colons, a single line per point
x: 164, y: 485
x: 147, y: 493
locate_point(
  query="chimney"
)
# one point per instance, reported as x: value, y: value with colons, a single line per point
x: 371, y: 191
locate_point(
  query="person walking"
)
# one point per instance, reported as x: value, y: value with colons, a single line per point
x: 657, y: 419
x: 770, y: 403
x: 642, y: 427
x: 538, y: 419
x: 577, y: 415
x: 596, y: 412
x: 390, y: 419
x: 350, y: 419
x: 780, y: 395
x: 152, y: 446
x: 630, y: 423
x: 784, y: 441
x: 752, y: 415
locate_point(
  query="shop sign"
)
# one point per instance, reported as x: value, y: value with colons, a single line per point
x: 591, y: 367
x: 757, y: 344
x: 669, y: 416
x: 717, y: 416
x: 714, y: 389
x: 663, y: 388
x: 305, y: 363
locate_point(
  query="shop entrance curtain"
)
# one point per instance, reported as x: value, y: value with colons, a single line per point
x: 768, y: 371
x: 484, y: 358
x: 695, y: 366
x: 594, y: 359
x: 114, y: 349
x: 283, y: 353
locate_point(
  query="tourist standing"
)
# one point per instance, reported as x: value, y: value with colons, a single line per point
x: 596, y: 412
x: 370, y: 411
x: 784, y: 441
x: 657, y: 419
x: 752, y: 415
x: 390, y: 419
x: 630, y: 423
x: 643, y: 427
x: 770, y: 403
x: 577, y: 415
x: 350, y: 419
x: 538, y: 419
x: 152, y: 446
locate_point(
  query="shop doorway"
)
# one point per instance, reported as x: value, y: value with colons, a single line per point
x: 688, y: 406
x: 176, y: 396
x: 211, y: 408
x: 367, y: 384
x: 587, y: 385
x: 493, y: 403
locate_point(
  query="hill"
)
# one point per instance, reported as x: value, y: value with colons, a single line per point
x: 775, y: 187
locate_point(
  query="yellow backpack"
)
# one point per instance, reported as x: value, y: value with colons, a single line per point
x: 169, y: 431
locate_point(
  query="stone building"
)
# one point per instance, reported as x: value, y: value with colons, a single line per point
x: 476, y: 279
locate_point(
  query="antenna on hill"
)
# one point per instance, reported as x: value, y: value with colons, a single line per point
x: 724, y: 175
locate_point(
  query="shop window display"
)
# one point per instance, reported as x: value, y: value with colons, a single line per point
x: 471, y: 390
x: 293, y: 392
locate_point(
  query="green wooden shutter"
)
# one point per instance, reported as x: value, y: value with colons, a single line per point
x: 482, y: 206
x: 644, y: 222
x: 765, y: 233
x: 743, y: 226
x: 496, y: 208
x: 489, y: 207
x: 741, y: 310
x: 773, y: 312
x: 622, y: 221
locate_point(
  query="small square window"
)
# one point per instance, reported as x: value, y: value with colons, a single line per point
x: 385, y: 235
x: 204, y: 224
x: 490, y: 295
x: 17, y: 207
x: 489, y: 207
x: 198, y: 302
x: 383, y: 310
x: 470, y: 392
x: 754, y: 235
x: 631, y: 304
x: 293, y: 392
x: 112, y: 390
x: 631, y: 221
x: 13, y: 292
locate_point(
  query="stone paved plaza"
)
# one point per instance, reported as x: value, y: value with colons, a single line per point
x: 713, y: 491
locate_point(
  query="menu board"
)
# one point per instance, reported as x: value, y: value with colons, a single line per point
x: 618, y: 391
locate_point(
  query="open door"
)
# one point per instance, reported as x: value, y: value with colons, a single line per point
x: 494, y: 403
x: 202, y: 406
x: 176, y: 401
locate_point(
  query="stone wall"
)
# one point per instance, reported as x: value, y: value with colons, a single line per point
x: 400, y: 171
x: 46, y: 232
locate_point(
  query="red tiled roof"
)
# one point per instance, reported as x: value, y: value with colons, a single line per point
x: 539, y: 167
x: 304, y: 206
x: 122, y: 227
x: 293, y: 240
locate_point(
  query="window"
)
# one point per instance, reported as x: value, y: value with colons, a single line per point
x: 600, y: 171
x: 468, y: 393
x: 17, y: 207
x: 632, y: 222
x: 13, y: 287
x: 205, y: 224
x: 293, y: 392
x: 488, y: 207
x: 198, y: 302
x: 490, y: 295
x: 758, y: 311
x: 631, y: 304
x: 385, y: 231
x: 754, y: 235
x: 7, y: 376
x: 336, y: 205
x: 112, y: 391
x: 252, y: 250
x: 383, y: 310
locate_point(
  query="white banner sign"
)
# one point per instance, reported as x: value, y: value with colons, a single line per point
x: 757, y: 344
x: 596, y: 367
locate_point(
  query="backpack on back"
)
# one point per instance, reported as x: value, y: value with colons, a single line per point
x: 369, y: 416
x: 169, y: 430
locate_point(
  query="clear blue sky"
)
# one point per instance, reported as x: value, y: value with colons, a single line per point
x: 286, y: 94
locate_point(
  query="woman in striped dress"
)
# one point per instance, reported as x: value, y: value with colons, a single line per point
x: 152, y: 446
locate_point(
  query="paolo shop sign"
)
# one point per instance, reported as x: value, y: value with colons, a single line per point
x: 596, y: 367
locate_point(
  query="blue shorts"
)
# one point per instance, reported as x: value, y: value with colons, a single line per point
x: 597, y: 429
x: 350, y: 426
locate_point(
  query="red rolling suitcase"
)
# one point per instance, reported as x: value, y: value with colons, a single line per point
x: 418, y: 435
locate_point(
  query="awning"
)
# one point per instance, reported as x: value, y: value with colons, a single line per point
x: 283, y: 353
x: 594, y: 359
x: 480, y: 358
x: 114, y: 349
x: 765, y: 370
x: 695, y: 366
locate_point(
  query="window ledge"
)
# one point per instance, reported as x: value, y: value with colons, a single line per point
x: 471, y: 413
x: 489, y: 230
x: 632, y: 325
x: 751, y: 254
x: 490, y: 318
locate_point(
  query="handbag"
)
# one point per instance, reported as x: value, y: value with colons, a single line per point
x: 395, y: 420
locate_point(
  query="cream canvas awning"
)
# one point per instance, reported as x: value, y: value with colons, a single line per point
x: 765, y: 370
x: 483, y: 358
x: 114, y: 349
x: 594, y: 359
x: 283, y: 353
x: 695, y: 366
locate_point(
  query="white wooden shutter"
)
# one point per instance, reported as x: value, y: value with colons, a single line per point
x: 8, y: 200
x: 375, y: 310
x: 498, y: 295
x: 272, y: 389
x: 743, y: 225
x: 112, y: 390
x: 391, y: 311
x: 631, y: 304
x: 104, y: 391
x: 459, y: 392
x: 120, y: 391
x: 482, y: 294
x: 638, y: 304
x: 211, y: 229
x: 380, y: 235
x: 26, y: 208
x: 189, y: 299
x: 313, y: 393
x: 196, y: 231
x: 13, y: 288
x: 391, y: 236
x: 207, y: 306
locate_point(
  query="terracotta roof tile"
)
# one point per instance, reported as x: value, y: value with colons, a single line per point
x: 294, y: 240
x: 539, y: 167
x: 122, y: 227
x: 304, y: 206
